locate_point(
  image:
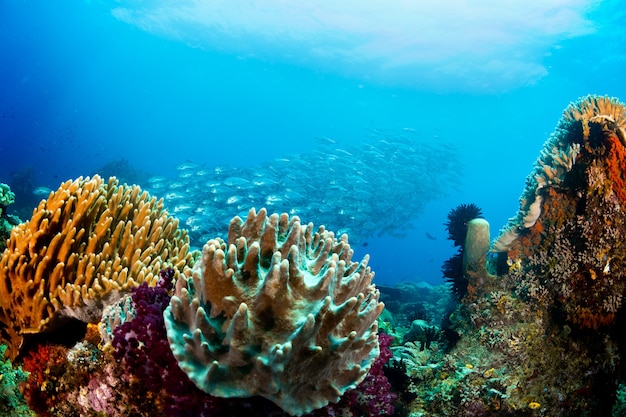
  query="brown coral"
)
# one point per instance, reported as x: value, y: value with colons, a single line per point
x: 84, y: 245
x: 279, y: 311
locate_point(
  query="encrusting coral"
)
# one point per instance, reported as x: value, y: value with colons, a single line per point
x: 278, y: 311
x: 86, y: 244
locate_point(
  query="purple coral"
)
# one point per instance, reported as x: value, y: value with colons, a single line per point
x: 142, y: 342
x: 142, y: 345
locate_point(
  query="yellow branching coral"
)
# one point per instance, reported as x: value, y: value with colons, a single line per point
x: 84, y: 245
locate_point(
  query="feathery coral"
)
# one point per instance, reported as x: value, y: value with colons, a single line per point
x: 84, y: 245
x: 280, y: 312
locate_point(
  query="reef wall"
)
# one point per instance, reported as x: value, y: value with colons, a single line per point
x: 542, y: 325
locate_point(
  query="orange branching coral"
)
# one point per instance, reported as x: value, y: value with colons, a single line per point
x: 88, y: 242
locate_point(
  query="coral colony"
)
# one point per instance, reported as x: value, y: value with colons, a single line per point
x: 105, y: 310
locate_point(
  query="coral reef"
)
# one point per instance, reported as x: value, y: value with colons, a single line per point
x: 86, y: 244
x: 579, y: 128
x: 545, y: 336
x: 279, y: 311
x: 279, y: 320
x: 573, y: 249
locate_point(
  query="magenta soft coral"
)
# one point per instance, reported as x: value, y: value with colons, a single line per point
x: 142, y: 345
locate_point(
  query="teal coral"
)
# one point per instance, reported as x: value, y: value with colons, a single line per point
x: 7, y: 221
x: 11, y: 400
x: 280, y: 312
x: 6, y: 196
x: 619, y: 408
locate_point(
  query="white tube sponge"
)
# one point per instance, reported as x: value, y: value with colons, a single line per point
x: 279, y: 312
x: 477, y: 241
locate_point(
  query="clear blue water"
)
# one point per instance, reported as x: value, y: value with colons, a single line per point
x: 160, y: 82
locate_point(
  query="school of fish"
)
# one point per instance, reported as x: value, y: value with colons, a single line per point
x: 375, y: 188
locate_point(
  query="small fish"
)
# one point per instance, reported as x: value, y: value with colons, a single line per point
x: 431, y: 237
x: 42, y: 191
x: 182, y: 207
x: 273, y: 199
x: 186, y: 165
x: 236, y: 182
x: 174, y: 196
x: 153, y: 180
x: 324, y: 140
x: 233, y: 199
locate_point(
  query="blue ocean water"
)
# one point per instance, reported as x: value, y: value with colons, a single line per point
x: 161, y: 83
